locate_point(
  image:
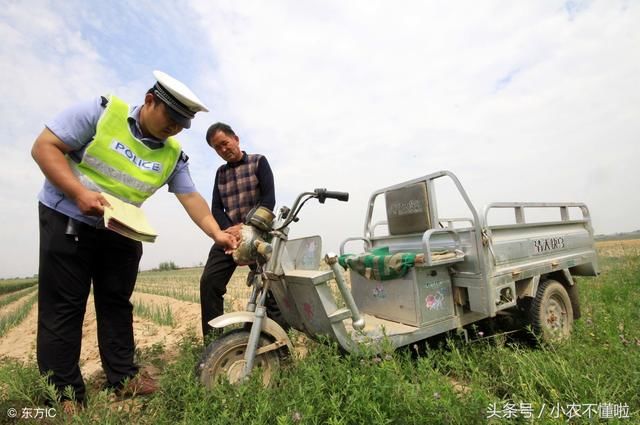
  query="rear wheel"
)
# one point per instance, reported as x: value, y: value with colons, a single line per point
x: 224, y: 358
x: 551, y: 313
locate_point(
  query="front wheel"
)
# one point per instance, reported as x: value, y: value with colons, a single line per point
x: 224, y: 358
x: 551, y: 313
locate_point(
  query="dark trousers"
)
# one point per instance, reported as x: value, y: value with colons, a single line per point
x: 213, y: 285
x: 68, y: 265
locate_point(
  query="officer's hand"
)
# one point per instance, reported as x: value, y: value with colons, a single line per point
x: 235, y: 231
x: 227, y: 240
x: 91, y: 203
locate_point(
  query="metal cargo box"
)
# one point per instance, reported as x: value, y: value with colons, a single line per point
x: 421, y: 297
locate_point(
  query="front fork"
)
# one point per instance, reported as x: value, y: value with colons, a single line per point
x: 256, y: 329
x: 257, y: 300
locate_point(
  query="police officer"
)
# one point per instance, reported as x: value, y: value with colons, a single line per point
x: 104, y: 145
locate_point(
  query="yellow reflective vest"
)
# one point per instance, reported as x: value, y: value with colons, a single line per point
x: 118, y: 163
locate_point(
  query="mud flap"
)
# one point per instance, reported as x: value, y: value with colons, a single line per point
x: 269, y: 326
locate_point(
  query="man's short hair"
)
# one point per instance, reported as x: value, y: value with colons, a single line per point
x: 219, y: 126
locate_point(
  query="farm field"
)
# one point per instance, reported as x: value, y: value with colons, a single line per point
x: 158, y: 296
x: 593, y: 378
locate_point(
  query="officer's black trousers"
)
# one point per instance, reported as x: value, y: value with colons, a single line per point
x: 68, y: 266
x: 213, y: 285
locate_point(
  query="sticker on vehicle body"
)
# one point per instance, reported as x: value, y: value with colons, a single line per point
x: 435, y: 301
x: 548, y: 244
x: 378, y: 291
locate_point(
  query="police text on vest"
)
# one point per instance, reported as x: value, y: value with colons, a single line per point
x: 138, y: 162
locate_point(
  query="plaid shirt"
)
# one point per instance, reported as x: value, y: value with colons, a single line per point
x: 241, y: 186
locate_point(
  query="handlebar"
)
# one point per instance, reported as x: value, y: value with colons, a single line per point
x: 291, y: 214
x: 324, y: 194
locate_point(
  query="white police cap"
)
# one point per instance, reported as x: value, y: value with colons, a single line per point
x: 181, y: 101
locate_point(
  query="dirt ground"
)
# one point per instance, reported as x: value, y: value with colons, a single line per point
x: 20, y: 341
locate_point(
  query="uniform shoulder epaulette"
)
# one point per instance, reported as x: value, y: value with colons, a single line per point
x: 103, y: 101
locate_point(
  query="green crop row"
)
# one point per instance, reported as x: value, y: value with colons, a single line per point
x: 162, y: 315
x: 8, y: 286
x: 178, y: 293
x: 15, y: 296
x: 14, y: 318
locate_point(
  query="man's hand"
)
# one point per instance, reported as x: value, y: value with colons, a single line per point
x: 227, y: 240
x: 91, y: 203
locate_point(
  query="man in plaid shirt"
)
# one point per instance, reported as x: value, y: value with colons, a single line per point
x: 244, y: 182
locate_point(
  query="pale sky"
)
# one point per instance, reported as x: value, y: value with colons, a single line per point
x: 523, y: 101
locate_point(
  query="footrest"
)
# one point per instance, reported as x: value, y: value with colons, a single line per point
x: 339, y: 315
x: 313, y: 277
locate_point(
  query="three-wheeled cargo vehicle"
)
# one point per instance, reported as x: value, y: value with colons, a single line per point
x: 419, y: 275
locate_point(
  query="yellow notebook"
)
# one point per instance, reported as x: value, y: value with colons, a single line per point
x: 127, y: 220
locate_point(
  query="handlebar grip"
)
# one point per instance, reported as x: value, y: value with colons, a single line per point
x: 340, y: 196
x: 324, y: 194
